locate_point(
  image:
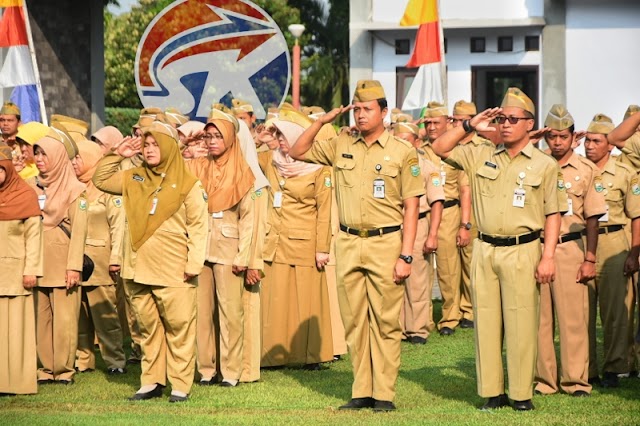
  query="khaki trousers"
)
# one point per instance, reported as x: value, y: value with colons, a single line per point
x: 416, y: 317
x: 167, y: 320
x: 252, y: 335
x: 506, y: 297
x: 18, y: 363
x: 207, y: 332
x: 337, y: 328
x: 569, y: 301
x: 466, y: 304
x: 57, y: 312
x: 449, y: 267
x: 128, y: 322
x: 611, y: 290
x: 370, y: 307
x: 99, y: 316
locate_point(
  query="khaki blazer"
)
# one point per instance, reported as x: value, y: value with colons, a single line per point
x: 20, y: 254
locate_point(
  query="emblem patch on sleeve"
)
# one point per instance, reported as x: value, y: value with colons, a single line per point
x: 117, y: 202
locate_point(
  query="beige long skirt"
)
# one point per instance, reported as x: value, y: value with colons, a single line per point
x: 18, y: 359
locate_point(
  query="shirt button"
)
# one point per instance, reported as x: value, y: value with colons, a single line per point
x: 500, y: 229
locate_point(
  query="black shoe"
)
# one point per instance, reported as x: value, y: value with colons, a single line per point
x: 45, y: 381
x: 446, y: 331
x: 116, y: 371
x: 525, y: 405
x: 133, y: 361
x: 417, y: 340
x: 465, y: 323
x: 594, y: 381
x: 337, y: 357
x: 610, y: 380
x: 213, y: 381
x: 177, y: 398
x: 312, y: 367
x: 496, y: 402
x: 358, y: 404
x: 226, y: 384
x: 86, y: 370
x: 155, y: 393
x: 383, y: 406
x: 581, y: 394
x: 65, y: 382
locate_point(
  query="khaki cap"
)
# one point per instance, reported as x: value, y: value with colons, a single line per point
x: 601, y: 124
x: 287, y: 105
x: 296, y: 117
x: 161, y: 128
x: 404, y: 118
x: 58, y: 132
x: 148, y: 116
x: 631, y: 110
x: 10, y: 108
x: 173, y: 116
x: 32, y: 132
x: 394, y: 115
x: 435, y: 109
x: 239, y: 106
x: 517, y: 98
x: 405, y: 127
x: 222, y: 107
x: 77, y: 129
x: 368, y: 90
x: 464, y: 108
x: 314, y: 112
x: 191, y: 127
x: 558, y: 118
x: 216, y: 114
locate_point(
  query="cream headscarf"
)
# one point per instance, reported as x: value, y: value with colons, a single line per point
x: 90, y: 153
x: 248, y: 147
x: 287, y: 166
x: 109, y: 136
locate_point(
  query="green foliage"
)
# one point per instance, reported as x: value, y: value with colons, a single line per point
x: 122, y: 118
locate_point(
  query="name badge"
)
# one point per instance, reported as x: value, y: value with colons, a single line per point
x: 443, y: 177
x: 217, y: 215
x: 570, y: 209
x: 518, y: 197
x: 378, y: 188
x: 277, y: 199
x: 154, y: 206
x: 605, y: 217
x: 41, y: 200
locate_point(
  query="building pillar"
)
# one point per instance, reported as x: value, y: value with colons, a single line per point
x: 360, y: 42
x: 554, y: 65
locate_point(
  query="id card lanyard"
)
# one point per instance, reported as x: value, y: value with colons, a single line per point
x: 154, y: 203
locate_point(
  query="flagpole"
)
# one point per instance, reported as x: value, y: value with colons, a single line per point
x: 32, y: 50
x: 443, y: 62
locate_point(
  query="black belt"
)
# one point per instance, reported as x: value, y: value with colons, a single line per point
x: 422, y: 215
x: 451, y: 203
x: 509, y: 241
x: 610, y: 228
x: 571, y: 236
x: 366, y: 233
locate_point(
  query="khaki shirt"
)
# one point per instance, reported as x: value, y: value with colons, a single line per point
x: 579, y: 179
x: 494, y: 176
x: 21, y: 253
x: 631, y: 152
x: 302, y: 226
x: 356, y: 165
x: 432, y: 183
x: 104, y: 237
x: 450, y: 177
x: 619, y: 185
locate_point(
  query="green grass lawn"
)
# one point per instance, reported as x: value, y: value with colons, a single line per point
x: 436, y: 386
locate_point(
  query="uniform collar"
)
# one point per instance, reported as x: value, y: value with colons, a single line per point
x: 527, y: 150
x: 574, y: 161
x: 382, y: 139
x: 610, y: 167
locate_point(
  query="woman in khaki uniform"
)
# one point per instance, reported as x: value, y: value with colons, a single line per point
x: 64, y: 206
x: 20, y: 263
x: 228, y: 182
x: 98, y: 314
x: 296, y: 319
x: 164, y: 250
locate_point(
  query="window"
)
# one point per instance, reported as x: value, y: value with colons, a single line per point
x: 532, y: 43
x: 403, y: 47
x: 445, y: 45
x: 505, y: 44
x: 477, y: 45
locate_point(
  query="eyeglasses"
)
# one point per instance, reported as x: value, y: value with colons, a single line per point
x: 512, y: 120
x: 209, y: 137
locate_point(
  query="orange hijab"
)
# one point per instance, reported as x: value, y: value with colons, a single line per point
x: 18, y: 200
x: 227, y: 178
x: 90, y: 153
x: 143, y: 184
x: 60, y: 183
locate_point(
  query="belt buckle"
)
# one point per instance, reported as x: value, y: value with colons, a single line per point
x: 363, y: 233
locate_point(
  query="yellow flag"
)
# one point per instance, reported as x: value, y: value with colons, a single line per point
x: 420, y: 12
x: 10, y: 3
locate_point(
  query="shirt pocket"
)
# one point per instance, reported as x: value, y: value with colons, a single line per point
x: 93, y: 242
x: 230, y: 231
x: 390, y: 174
x: 345, y: 172
x: 531, y: 183
x: 487, y: 180
x: 299, y: 234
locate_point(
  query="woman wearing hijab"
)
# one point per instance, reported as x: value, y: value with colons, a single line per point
x: 296, y: 321
x: 64, y: 210
x: 24, y: 163
x: 21, y: 263
x: 228, y: 181
x: 167, y: 230
x: 106, y: 138
x: 98, y: 313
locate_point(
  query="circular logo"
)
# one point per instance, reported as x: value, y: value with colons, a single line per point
x: 199, y: 52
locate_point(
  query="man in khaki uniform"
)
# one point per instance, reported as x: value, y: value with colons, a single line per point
x: 9, y: 123
x: 567, y: 296
x: 515, y: 196
x: 616, y: 261
x: 416, y: 317
x: 451, y: 234
x: 377, y: 176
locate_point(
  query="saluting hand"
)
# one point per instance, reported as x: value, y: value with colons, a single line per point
x: 401, y: 272
x: 29, y: 281
x: 546, y: 271
x: 129, y: 146
x: 331, y: 115
x: 536, y: 135
x: 483, y: 120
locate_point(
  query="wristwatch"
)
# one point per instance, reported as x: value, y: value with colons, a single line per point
x: 466, y: 226
x: 407, y: 259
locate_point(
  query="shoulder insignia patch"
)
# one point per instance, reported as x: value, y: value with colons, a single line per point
x: 412, y: 161
x: 117, y: 202
x: 635, y: 188
x: 435, y: 179
x: 327, y: 181
x: 597, y: 184
x: 415, y: 170
x: 83, y: 204
x: 561, y: 186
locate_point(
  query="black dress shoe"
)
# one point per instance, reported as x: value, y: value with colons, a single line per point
x: 525, y: 405
x: 212, y: 381
x: 496, y: 402
x: 116, y: 371
x: 337, y: 357
x: 45, y: 381
x: 383, y: 406
x: 86, y: 370
x: 417, y: 340
x: 581, y: 394
x: 446, y: 331
x: 358, y: 404
x: 133, y: 361
x: 226, y: 384
x: 594, y: 381
x: 465, y: 323
x: 610, y: 380
x: 312, y: 367
x: 178, y: 398
x: 155, y: 393
x: 65, y: 382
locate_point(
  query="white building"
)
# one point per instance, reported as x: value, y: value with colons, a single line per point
x: 583, y: 53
